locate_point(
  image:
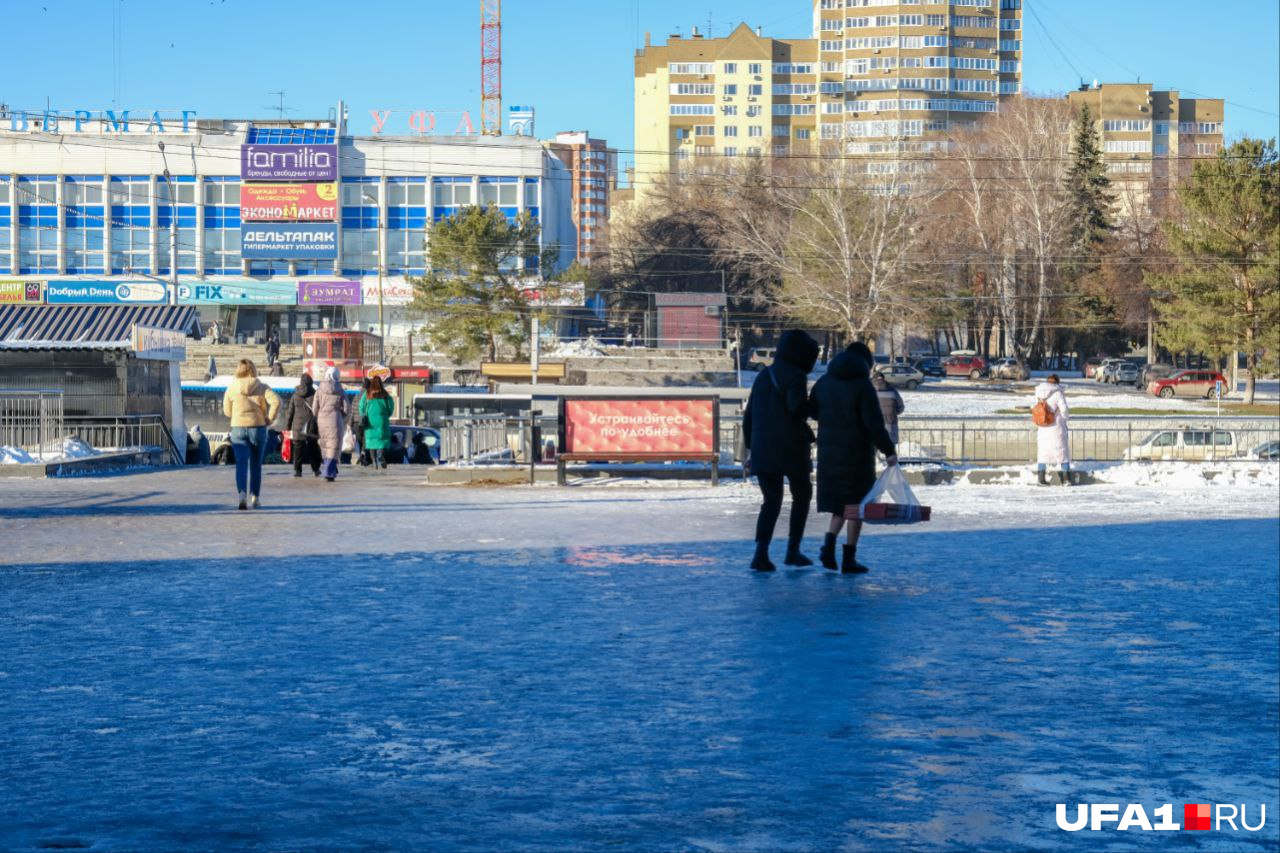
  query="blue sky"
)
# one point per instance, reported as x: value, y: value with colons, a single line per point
x: 571, y: 59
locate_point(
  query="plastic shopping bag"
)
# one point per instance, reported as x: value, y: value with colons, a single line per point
x: 286, y: 450
x: 890, y: 501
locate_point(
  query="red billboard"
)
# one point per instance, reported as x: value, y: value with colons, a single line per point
x: 289, y: 202
x: 641, y: 426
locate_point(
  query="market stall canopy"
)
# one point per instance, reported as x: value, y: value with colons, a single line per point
x: 85, y: 327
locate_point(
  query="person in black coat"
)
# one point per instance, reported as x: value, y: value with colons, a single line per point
x: 301, y: 428
x: 850, y: 430
x: 775, y: 427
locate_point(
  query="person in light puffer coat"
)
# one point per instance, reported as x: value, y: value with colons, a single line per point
x: 1053, y: 443
x: 332, y: 410
x: 252, y: 407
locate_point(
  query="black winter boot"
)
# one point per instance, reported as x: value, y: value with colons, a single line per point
x: 850, y: 565
x: 794, y: 557
x: 761, y: 562
x: 827, y: 556
x: 1064, y: 479
x: 1043, y: 477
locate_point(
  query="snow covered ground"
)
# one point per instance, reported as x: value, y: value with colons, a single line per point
x: 376, y: 664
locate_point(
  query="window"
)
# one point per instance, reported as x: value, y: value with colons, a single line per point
x: 85, y: 216
x: 781, y: 130
x: 755, y: 68
x: 692, y: 109
x: 755, y: 131
x: 730, y: 151
x: 692, y: 68
x: 704, y: 130
x: 221, y: 250
x: 730, y: 130
x: 755, y: 90
x: 731, y: 68
x: 1165, y: 439
x: 693, y: 88
x: 803, y: 133
x: 1199, y: 127
x: 729, y: 110
x: 1127, y: 146
x: 500, y: 192
x: 37, y: 224
x: 731, y: 89
x: 130, y: 248
x: 1128, y: 125
x: 359, y: 251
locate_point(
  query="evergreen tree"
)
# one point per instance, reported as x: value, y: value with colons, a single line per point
x: 474, y: 298
x: 1089, y: 197
x: 1226, y: 289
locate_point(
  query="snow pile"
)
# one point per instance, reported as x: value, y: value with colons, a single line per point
x: 15, y: 456
x: 1173, y: 475
x: 587, y: 347
x: 74, y: 447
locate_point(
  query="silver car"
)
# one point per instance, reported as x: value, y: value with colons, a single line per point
x: 1126, y: 373
x: 900, y: 375
x: 1008, y: 368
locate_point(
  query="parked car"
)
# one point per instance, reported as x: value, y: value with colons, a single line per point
x: 1152, y: 372
x: 1090, y: 366
x: 1266, y: 450
x: 1126, y: 373
x: 1189, y: 383
x: 1184, y: 445
x: 1008, y: 368
x: 971, y: 366
x: 901, y: 375
x: 759, y: 358
x: 1104, y: 371
x: 930, y: 367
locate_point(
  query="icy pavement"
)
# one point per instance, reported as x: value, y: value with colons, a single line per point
x: 380, y: 665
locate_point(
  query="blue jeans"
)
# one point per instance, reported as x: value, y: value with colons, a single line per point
x: 250, y: 447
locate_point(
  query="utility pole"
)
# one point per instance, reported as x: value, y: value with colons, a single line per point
x: 382, y: 328
x: 173, y: 229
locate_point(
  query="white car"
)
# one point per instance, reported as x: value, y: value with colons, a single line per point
x: 1186, y: 444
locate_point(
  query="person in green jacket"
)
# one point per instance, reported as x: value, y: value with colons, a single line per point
x: 376, y: 408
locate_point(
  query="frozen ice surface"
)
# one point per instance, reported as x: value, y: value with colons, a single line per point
x: 377, y: 664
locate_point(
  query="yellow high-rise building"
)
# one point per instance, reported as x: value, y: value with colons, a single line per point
x: 744, y: 95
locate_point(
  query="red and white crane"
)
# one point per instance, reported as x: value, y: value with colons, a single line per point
x: 491, y: 67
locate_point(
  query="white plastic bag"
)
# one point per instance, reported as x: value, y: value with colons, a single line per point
x: 890, y: 501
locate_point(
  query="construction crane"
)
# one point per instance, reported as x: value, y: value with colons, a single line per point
x: 491, y: 67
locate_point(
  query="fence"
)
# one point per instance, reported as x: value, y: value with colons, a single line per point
x: 987, y: 444
x: 33, y: 421
x: 123, y: 432
x: 480, y: 439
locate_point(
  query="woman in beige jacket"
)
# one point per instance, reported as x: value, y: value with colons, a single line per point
x: 252, y: 407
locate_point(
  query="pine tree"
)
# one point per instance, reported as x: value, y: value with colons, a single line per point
x: 1226, y: 291
x: 1089, y: 197
x: 476, y: 301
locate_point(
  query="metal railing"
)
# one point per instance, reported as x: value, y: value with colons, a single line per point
x: 985, y: 444
x: 126, y: 432
x: 492, y: 439
x: 32, y: 421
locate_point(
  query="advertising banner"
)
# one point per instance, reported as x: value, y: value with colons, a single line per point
x: 289, y: 162
x: 105, y: 293
x: 395, y: 291
x: 284, y: 241
x: 238, y: 291
x: 21, y: 292
x: 159, y: 344
x: 641, y: 426
x: 289, y: 202
x: 328, y: 293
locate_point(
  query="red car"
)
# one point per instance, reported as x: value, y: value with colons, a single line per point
x: 1190, y: 383
x: 971, y: 366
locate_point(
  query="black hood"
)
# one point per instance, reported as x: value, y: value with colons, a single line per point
x: 306, y: 387
x: 797, y: 349
x: 847, y: 366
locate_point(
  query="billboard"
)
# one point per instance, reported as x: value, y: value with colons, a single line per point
x: 289, y: 162
x: 328, y: 293
x: 289, y: 202
x: 241, y: 291
x: 284, y: 241
x: 641, y: 426
x: 105, y: 293
x: 21, y: 292
x: 395, y: 291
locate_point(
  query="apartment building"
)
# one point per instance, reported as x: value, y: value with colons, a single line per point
x: 744, y: 95
x: 593, y: 174
x: 901, y: 74
x: 1150, y: 138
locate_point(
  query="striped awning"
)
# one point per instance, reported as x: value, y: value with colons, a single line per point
x: 48, y: 327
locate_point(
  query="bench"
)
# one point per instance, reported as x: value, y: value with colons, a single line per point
x: 563, y: 459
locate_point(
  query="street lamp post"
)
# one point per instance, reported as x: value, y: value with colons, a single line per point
x: 382, y: 329
x: 173, y: 230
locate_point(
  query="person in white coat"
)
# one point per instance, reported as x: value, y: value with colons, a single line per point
x: 1053, y: 445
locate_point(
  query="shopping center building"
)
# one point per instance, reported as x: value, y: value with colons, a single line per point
x: 280, y: 224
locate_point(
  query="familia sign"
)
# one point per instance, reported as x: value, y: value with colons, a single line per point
x: 289, y: 162
x: 106, y: 122
x: 289, y: 202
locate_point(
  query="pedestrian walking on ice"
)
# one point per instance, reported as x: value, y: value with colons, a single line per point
x: 252, y: 407
x: 300, y: 427
x: 850, y: 430
x: 332, y: 410
x: 1051, y: 414
x: 376, y: 410
x: 273, y: 348
x: 775, y: 428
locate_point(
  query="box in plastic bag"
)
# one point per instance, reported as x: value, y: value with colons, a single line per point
x: 899, y: 507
